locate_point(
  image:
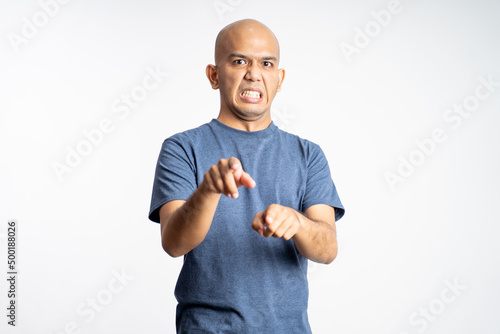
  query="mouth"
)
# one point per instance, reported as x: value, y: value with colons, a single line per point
x: 251, y: 95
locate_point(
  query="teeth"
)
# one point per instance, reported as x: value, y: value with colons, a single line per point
x: 251, y: 94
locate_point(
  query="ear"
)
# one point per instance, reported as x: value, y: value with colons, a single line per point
x: 281, y: 75
x: 212, y: 76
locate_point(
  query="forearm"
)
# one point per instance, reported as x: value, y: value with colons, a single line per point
x: 187, y: 227
x: 316, y: 240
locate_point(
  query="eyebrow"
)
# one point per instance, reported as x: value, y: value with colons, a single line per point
x: 238, y: 55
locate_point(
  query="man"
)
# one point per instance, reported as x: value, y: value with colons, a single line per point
x: 223, y: 189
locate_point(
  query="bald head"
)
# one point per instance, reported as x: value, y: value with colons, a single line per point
x: 246, y: 73
x: 243, y: 30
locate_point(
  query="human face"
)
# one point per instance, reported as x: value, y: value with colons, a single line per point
x: 247, y: 74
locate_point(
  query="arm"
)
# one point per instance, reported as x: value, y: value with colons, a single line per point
x: 313, y: 232
x: 317, y: 238
x: 184, y: 224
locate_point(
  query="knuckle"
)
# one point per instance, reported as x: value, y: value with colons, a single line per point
x: 215, y: 175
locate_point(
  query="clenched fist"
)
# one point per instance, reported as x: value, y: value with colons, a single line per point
x: 277, y: 221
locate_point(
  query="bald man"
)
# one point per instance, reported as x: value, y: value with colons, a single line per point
x: 244, y: 202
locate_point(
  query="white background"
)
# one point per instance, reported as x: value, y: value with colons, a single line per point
x: 399, y: 247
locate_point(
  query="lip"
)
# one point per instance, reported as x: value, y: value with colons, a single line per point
x: 251, y: 99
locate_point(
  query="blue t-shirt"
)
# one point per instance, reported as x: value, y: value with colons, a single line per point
x: 236, y: 281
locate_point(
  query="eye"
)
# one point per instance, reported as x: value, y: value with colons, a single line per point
x: 239, y: 62
x: 267, y: 64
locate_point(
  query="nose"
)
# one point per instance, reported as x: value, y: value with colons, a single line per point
x: 253, y: 72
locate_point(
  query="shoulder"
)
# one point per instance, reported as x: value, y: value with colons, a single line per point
x: 306, y: 147
x: 188, y: 137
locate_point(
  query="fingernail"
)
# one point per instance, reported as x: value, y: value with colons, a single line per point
x: 235, y: 195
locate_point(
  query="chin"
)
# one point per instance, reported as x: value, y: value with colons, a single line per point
x: 250, y: 114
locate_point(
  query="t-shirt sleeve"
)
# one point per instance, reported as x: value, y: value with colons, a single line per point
x: 320, y: 188
x: 175, y: 176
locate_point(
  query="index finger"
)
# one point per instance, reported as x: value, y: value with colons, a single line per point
x: 258, y: 224
x: 247, y: 180
x: 241, y: 177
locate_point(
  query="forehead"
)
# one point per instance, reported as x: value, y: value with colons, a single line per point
x: 249, y: 41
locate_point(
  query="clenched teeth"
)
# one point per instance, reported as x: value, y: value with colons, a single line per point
x: 251, y: 94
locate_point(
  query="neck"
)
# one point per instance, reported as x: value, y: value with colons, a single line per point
x: 246, y: 125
